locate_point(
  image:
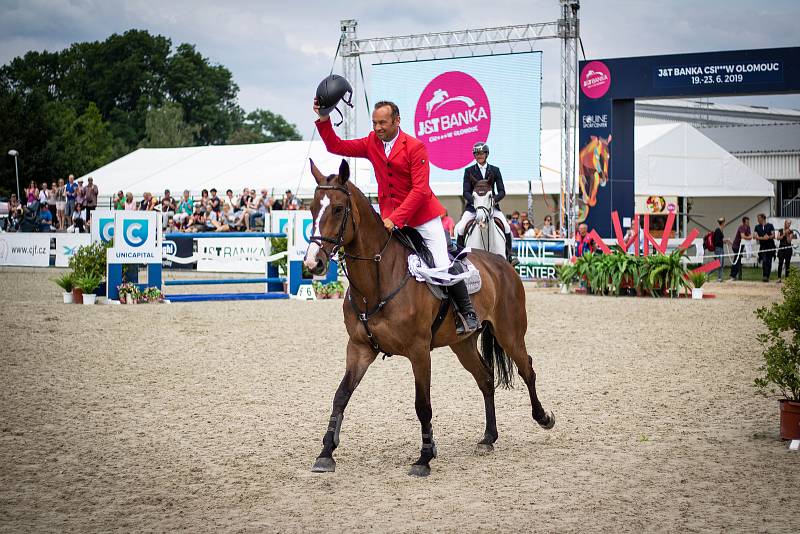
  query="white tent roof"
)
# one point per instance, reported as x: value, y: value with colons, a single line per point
x: 274, y: 166
x: 671, y: 159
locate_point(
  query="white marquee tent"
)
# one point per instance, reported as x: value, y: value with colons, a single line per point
x: 274, y: 166
x: 671, y: 159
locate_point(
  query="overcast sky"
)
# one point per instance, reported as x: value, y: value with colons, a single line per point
x: 279, y: 51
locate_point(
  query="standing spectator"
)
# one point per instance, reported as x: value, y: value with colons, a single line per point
x: 43, y: 194
x: 231, y: 201
x: 514, y: 223
x: 261, y: 207
x: 204, y: 201
x: 90, y: 194
x: 449, y: 224
x: 130, y: 204
x: 742, y: 233
x: 80, y: 194
x: 786, y: 236
x: 72, y: 192
x: 583, y: 242
x: 51, y: 202
x: 765, y: 235
x: 216, y: 202
x: 45, y: 218
x: 548, y: 230
x: 31, y: 193
x: 61, y: 204
x: 719, y: 246
x: 184, y: 211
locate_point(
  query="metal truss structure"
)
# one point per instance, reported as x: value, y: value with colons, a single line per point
x: 464, y: 43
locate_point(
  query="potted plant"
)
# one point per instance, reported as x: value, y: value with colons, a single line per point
x: 335, y: 289
x: 781, y: 369
x: 88, y: 260
x: 318, y: 289
x: 66, y: 282
x: 152, y: 294
x: 697, y: 280
x: 88, y: 284
x: 567, y: 276
x: 128, y: 293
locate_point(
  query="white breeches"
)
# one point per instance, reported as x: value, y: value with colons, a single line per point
x: 433, y: 234
x: 468, y: 216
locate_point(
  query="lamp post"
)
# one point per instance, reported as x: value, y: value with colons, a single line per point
x: 14, y: 153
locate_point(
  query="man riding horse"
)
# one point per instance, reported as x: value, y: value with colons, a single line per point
x: 482, y: 171
x: 402, y: 171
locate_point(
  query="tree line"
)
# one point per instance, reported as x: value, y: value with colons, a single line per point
x: 72, y: 111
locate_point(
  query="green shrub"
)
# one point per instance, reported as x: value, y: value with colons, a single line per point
x: 66, y: 281
x: 90, y: 260
x: 782, y: 343
x: 88, y: 283
x: 698, y: 279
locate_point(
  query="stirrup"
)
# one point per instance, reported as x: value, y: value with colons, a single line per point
x: 467, y: 324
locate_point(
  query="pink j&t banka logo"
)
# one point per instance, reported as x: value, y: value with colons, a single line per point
x: 452, y: 115
x: 595, y: 79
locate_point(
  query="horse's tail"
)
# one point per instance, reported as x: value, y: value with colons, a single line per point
x: 495, y: 358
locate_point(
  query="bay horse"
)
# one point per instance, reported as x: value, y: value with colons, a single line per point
x: 386, y: 310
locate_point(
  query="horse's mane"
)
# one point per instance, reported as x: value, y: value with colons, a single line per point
x: 408, y: 237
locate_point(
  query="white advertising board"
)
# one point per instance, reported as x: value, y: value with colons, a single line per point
x: 233, y: 254
x: 67, y: 244
x: 25, y: 249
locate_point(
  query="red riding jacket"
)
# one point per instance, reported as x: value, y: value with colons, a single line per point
x: 404, y: 191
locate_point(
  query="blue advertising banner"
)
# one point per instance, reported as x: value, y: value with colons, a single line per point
x: 607, y: 92
x: 538, y: 258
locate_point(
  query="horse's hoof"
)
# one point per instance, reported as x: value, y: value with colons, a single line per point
x: 324, y: 465
x: 484, y: 448
x: 419, y: 470
x: 550, y: 422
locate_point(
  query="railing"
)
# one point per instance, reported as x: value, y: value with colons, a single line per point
x: 789, y: 208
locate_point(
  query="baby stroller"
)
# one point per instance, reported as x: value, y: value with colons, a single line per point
x: 29, y: 216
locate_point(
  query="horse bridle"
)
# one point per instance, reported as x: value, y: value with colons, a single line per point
x: 337, y: 244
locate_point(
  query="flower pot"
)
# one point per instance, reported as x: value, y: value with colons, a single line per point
x: 77, y: 296
x: 790, y: 419
x: 68, y: 298
x: 564, y: 289
x: 89, y: 299
x: 697, y: 293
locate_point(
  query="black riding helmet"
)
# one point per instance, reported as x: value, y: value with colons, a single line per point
x: 330, y: 91
x: 480, y: 147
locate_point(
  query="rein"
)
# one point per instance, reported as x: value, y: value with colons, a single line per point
x: 337, y: 243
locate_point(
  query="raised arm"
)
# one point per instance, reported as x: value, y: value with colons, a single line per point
x: 355, y: 148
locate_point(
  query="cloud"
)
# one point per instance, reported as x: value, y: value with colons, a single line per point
x: 278, y: 51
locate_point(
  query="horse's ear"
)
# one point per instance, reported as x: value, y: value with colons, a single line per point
x: 344, y: 172
x: 593, y: 137
x: 318, y: 176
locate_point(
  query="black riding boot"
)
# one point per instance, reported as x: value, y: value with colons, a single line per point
x: 468, y: 322
x: 460, y: 241
x: 512, y: 259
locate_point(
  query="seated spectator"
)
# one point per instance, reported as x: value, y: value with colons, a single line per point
x: 197, y: 221
x: 218, y: 222
x: 15, y: 218
x: 526, y: 229
x: 290, y: 201
x: 148, y: 203
x: 583, y: 243
x: 168, y: 204
x: 119, y: 201
x: 78, y: 220
x: 130, y: 204
x: 234, y: 219
x: 548, y: 230
x: 45, y: 218
x: 263, y: 205
x: 185, y: 211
